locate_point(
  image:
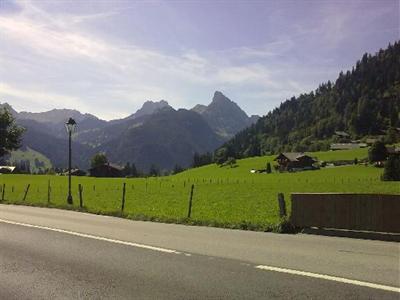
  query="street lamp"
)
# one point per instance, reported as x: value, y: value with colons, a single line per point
x: 70, y: 126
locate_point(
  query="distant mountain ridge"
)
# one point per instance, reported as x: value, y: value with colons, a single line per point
x: 155, y: 134
x: 55, y: 115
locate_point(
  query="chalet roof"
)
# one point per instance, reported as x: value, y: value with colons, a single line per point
x: 371, y: 140
x: 292, y: 156
x: 347, y: 146
x: 119, y: 168
x: 74, y: 172
x: 342, y: 133
x: 390, y: 150
x: 109, y: 165
x: 10, y: 168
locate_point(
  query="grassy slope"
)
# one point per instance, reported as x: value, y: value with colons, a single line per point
x: 31, y: 155
x: 245, y: 165
x: 223, y: 196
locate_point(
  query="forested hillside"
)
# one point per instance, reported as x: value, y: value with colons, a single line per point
x: 362, y: 102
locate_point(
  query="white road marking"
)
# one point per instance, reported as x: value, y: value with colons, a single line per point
x: 332, y: 278
x: 262, y: 267
x: 94, y: 237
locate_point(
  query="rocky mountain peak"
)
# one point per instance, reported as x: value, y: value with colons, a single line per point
x: 150, y: 107
x: 220, y: 98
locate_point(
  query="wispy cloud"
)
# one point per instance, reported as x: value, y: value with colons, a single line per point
x: 55, y: 59
x: 39, y: 98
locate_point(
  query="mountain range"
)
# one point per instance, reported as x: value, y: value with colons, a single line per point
x: 156, y: 134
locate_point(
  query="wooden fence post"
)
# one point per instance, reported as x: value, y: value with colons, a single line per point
x: 123, y: 198
x: 282, y: 205
x: 190, y: 201
x: 3, y: 192
x: 80, y: 188
x: 26, y: 191
x: 48, y: 191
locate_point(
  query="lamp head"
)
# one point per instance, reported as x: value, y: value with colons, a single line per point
x: 70, y: 125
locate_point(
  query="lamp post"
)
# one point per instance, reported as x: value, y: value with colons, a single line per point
x: 70, y: 126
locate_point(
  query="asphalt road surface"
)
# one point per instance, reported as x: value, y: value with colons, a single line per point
x: 50, y: 253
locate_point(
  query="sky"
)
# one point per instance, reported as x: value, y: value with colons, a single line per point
x: 107, y: 57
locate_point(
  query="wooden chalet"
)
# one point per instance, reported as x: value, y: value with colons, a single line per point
x: 106, y: 170
x: 74, y: 172
x: 392, y: 150
x: 371, y: 141
x: 78, y: 172
x: 347, y: 146
x: 293, y: 161
x: 6, y: 169
x: 342, y: 134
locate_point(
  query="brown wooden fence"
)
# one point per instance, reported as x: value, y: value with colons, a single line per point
x: 370, y: 212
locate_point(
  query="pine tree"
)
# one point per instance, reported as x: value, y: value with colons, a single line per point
x: 127, y: 169
x: 134, y: 171
x: 154, y: 171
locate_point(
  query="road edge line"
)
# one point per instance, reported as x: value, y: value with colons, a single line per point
x: 331, y: 278
x: 95, y: 237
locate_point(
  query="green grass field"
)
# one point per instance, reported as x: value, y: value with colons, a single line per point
x: 229, y: 197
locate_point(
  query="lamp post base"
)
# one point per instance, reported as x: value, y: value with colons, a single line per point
x: 69, y: 199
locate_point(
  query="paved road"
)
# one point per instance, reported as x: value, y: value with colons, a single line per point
x: 73, y: 255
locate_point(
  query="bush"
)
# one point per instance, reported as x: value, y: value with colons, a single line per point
x: 98, y: 159
x: 377, y: 152
x: 220, y: 156
x: 284, y: 226
x: 392, y: 169
x: 268, y: 169
x: 231, y: 161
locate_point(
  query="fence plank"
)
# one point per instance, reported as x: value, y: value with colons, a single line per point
x: 371, y: 212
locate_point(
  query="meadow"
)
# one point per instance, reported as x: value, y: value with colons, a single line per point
x: 223, y: 196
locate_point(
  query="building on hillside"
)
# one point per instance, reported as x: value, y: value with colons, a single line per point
x: 347, y: 146
x: 106, y: 170
x: 291, y: 161
x: 78, y: 172
x: 75, y: 172
x: 370, y: 141
x: 342, y: 134
x: 392, y: 150
x: 6, y: 169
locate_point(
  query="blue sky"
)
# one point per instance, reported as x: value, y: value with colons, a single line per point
x: 108, y: 57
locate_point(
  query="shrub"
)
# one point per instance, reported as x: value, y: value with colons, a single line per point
x: 220, y: 156
x: 377, y: 152
x: 231, y: 161
x: 268, y: 169
x: 392, y: 169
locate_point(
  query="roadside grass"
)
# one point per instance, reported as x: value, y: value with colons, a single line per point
x: 223, y: 197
